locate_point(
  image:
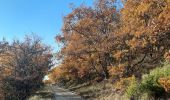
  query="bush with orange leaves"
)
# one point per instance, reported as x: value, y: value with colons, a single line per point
x: 165, y: 83
x: 117, y: 71
x: 124, y: 83
x: 167, y: 56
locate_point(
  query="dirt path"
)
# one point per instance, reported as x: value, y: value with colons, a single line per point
x: 62, y: 94
x: 54, y: 93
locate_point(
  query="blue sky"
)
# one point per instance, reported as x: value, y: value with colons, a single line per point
x: 43, y: 17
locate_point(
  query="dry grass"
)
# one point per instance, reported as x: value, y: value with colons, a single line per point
x: 96, y: 91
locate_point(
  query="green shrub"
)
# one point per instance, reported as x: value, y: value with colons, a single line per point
x: 149, y: 83
x: 132, y: 89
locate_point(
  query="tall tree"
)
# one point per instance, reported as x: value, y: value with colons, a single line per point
x: 27, y: 63
x: 87, y: 41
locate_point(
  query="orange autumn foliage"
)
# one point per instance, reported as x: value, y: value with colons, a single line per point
x: 101, y: 41
x: 165, y: 83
